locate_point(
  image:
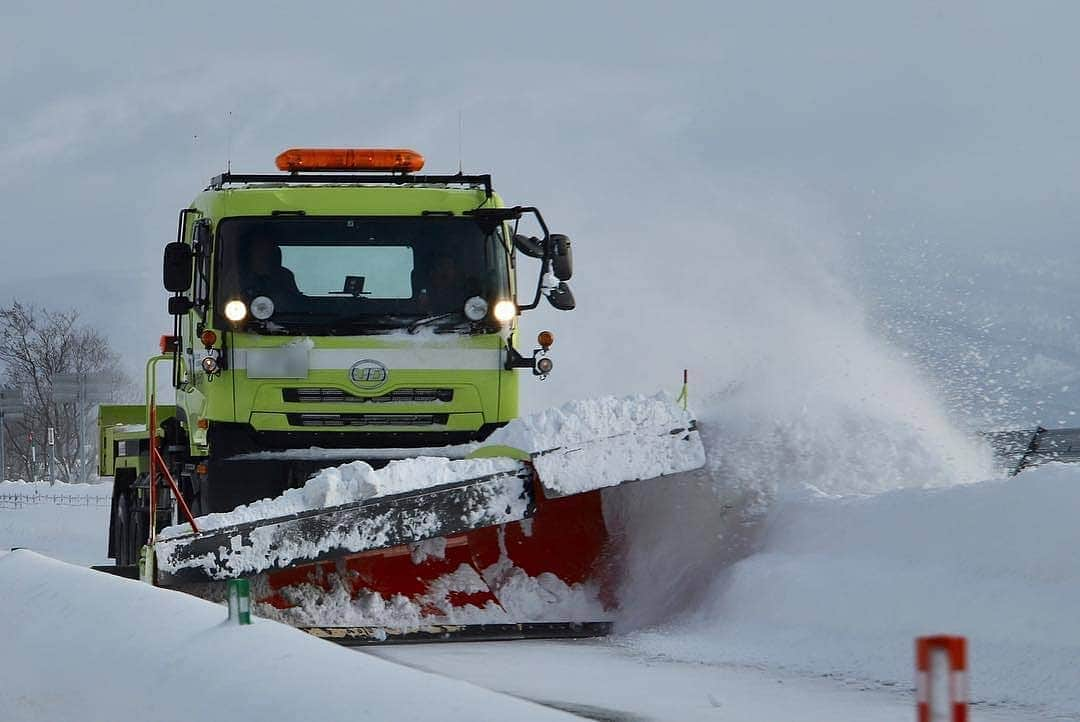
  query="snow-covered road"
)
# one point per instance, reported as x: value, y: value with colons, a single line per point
x: 604, y: 681
x: 607, y: 680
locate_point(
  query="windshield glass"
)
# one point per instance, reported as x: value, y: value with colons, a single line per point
x: 344, y: 275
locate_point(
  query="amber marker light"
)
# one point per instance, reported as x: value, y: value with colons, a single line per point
x: 545, y: 339
x: 401, y: 160
x: 169, y: 344
x: 208, y: 338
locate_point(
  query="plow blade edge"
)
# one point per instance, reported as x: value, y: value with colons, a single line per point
x: 333, y: 532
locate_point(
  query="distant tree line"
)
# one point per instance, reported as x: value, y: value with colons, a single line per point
x: 37, y: 345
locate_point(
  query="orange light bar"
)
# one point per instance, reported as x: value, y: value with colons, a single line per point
x: 402, y: 160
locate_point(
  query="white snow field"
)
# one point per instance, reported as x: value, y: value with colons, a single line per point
x: 80, y: 644
x: 810, y: 614
x: 840, y: 587
x: 66, y: 521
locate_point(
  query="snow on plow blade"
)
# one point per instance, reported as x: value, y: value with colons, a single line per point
x: 319, y: 534
x: 511, y: 495
x: 632, y: 456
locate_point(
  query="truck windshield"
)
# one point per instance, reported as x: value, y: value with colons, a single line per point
x: 347, y: 275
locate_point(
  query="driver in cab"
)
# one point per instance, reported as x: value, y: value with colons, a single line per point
x: 443, y: 290
x: 262, y: 273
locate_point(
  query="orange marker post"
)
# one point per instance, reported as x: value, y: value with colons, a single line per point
x: 955, y: 649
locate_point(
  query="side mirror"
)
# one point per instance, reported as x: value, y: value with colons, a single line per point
x: 179, y: 305
x: 561, y: 297
x: 178, y: 267
x: 529, y: 245
x: 562, y: 259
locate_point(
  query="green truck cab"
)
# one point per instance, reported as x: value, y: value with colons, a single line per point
x: 349, y: 308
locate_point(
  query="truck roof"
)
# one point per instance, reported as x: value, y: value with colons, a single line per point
x: 321, y: 194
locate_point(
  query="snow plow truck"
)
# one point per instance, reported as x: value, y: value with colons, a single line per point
x: 351, y: 309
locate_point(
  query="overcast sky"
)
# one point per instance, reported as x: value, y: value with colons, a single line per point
x: 883, y: 140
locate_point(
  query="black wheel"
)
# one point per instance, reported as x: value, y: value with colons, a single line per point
x: 122, y: 532
x: 131, y: 529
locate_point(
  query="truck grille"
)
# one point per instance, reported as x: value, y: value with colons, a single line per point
x: 367, y: 419
x: 337, y: 396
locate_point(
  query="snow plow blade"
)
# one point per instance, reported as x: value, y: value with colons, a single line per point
x: 322, y: 534
x: 1025, y: 448
x: 383, y: 522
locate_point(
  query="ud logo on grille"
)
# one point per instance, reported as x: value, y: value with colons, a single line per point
x: 368, y: 374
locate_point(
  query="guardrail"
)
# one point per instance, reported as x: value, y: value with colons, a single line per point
x: 16, y: 501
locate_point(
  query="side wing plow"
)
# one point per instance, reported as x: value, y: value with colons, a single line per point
x: 449, y: 510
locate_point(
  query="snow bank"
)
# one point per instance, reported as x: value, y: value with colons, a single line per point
x: 21, y: 486
x: 173, y: 654
x: 840, y: 586
x: 65, y: 521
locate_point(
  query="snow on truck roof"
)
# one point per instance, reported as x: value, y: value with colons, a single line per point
x: 458, y: 181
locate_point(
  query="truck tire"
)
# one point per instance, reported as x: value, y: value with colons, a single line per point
x: 121, y: 528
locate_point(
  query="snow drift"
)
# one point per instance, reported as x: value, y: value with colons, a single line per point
x: 841, y: 586
x: 173, y: 654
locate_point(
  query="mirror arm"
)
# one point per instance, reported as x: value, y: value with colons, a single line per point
x: 515, y: 213
x: 545, y: 262
x: 514, y: 359
x: 183, y: 222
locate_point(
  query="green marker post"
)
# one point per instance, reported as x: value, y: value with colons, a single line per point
x: 239, y: 596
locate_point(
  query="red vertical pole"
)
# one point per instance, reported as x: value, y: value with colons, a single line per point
x: 922, y: 679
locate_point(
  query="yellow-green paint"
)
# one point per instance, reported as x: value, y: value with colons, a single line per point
x: 480, y: 396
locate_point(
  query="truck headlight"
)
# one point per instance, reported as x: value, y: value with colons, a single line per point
x: 505, y: 311
x: 476, y: 308
x: 235, y: 311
